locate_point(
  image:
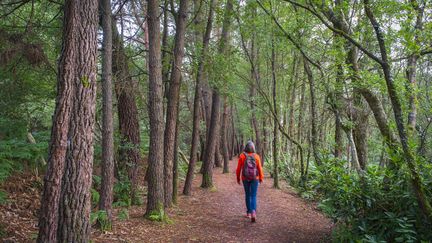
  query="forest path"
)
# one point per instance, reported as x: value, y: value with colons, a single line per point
x: 218, y: 215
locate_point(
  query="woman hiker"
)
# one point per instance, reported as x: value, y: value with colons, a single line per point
x: 249, y: 166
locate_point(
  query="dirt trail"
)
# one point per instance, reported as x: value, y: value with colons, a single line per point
x: 218, y: 216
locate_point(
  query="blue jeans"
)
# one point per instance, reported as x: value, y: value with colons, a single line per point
x: 251, y: 188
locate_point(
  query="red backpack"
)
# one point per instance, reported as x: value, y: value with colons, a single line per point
x: 250, y: 170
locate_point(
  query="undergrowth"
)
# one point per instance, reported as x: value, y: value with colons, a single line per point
x: 379, y: 206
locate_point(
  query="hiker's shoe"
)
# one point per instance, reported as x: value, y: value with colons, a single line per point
x: 253, y: 217
x: 248, y: 215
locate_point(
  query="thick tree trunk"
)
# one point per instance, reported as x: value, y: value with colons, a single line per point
x: 128, y: 120
x: 106, y: 193
x: 71, y: 147
x: 155, y: 196
x: 197, y: 99
x: 360, y: 131
x: 207, y: 178
x: 173, y: 101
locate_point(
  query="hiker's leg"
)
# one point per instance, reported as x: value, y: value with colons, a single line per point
x: 247, y: 185
x: 253, y: 195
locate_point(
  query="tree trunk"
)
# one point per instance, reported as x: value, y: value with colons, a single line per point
x: 71, y: 146
x: 301, y: 125
x: 354, y: 154
x: 310, y: 77
x: 106, y: 192
x: 218, y: 155
x: 336, y: 107
x: 166, y: 58
x: 254, y: 76
x: 264, y: 142
x: 234, y: 134
x: 398, y: 115
x: 173, y: 101
x: 338, y: 136
x: 292, y: 95
x: 224, y: 139
x: 197, y: 99
x: 175, y: 165
x: 275, y: 120
x: 155, y: 196
x: 360, y: 132
x: 207, y: 179
x: 411, y: 70
x: 129, y: 129
x: 214, y: 133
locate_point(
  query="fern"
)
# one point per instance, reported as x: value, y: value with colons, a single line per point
x: 3, y: 197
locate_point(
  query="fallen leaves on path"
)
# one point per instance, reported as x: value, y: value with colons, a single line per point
x: 207, y: 216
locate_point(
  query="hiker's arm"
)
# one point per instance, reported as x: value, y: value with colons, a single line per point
x: 239, y: 166
x: 260, y: 170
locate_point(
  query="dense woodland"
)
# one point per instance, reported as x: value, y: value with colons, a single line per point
x: 97, y: 97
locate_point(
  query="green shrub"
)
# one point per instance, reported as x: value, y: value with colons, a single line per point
x: 122, y: 192
x: 3, y: 197
x: 15, y: 153
x: 123, y: 214
x: 101, y: 217
x: 379, y: 206
x: 94, y: 197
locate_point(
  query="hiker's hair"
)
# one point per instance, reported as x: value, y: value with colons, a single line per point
x: 250, y: 147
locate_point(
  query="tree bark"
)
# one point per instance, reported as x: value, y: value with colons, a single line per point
x: 155, y: 197
x: 360, y: 131
x: 71, y: 146
x: 255, y: 122
x: 214, y: 133
x: 175, y: 165
x: 224, y: 139
x: 197, y: 99
x: 354, y: 154
x: 234, y: 134
x: 128, y: 120
x: 264, y: 142
x: 398, y: 114
x: 301, y: 125
x: 292, y: 99
x: 411, y: 70
x: 207, y: 177
x: 275, y: 120
x: 218, y: 155
x: 166, y: 58
x: 337, y: 106
x: 173, y: 101
x: 106, y: 193
x: 311, y: 79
